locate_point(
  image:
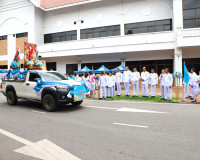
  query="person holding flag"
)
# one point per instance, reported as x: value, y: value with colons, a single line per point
x: 187, y: 81
x: 15, y: 65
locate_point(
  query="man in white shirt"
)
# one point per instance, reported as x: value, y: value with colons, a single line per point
x: 161, y: 78
x: 103, y: 85
x: 193, y: 83
x: 127, y: 80
x: 118, y: 81
x: 153, y: 81
x: 135, y: 82
x: 197, y: 87
x: 168, y: 82
x: 113, y: 92
x: 145, y: 82
x: 110, y: 83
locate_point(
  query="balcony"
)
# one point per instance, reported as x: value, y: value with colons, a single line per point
x: 117, y: 44
x: 188, y: 37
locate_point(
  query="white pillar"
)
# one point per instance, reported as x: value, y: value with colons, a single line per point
x: 178, y: 60
x: 123, y: 62
x: 79, y: 65
x: 11, y: 48
x: 122, y: 27
x: 177, y: 14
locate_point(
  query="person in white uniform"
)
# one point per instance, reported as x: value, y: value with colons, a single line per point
x: 110, y: 83
x: 103, y: 85
x: 197, y: 87
x: 113, y: 75
x: 90, y: 84
x: 168, y: 82
x: 118, y: 81
x: 127, y: 81
x: 192, y: 83
x: 106, y: 75
x: 135, y: 78
x: 145, y: 82
x: 153, y: 81
x: 78, y: 78
x: 161, y: 78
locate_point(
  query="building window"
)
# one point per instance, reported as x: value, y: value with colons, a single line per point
x: 191, y: 13
x: 3, y: 66
x: 20, y: 35
x: 61, y: 36
x: 3, y: 37
x: 100, y: 32
x: 146, y: 27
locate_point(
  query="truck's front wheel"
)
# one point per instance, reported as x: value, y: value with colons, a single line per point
x: 11, y: 98
x: 49, y: 103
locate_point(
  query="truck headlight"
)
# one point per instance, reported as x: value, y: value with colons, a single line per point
x: 62, y: 88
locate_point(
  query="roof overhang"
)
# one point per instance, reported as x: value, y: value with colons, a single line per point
x: 38, y: 4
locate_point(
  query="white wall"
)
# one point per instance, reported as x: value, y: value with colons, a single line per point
x: 105, y: 13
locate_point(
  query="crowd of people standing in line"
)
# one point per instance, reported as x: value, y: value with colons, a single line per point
x: 108, y: 83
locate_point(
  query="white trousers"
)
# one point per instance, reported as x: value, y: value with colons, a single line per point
x: 167, y: 91
x: 153, y: 90
x: 136, y: 89
x: 127, y: 88
x: 162, y: 92
x: 107, y: 92
x: 113, y: 91
x: 119, y: 89
x: 187, y: 90
x: 145, y: 90
x: 193, y: 91
x: 103, y: 92
x: 110, y: 91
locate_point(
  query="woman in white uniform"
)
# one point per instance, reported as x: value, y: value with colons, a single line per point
x: 197, y: 87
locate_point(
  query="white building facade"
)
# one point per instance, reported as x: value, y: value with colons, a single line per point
x: 152, y: 33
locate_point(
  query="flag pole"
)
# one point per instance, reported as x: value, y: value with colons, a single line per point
x: 184, y: 98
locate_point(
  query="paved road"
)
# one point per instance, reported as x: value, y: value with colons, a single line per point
x: 102, y: 130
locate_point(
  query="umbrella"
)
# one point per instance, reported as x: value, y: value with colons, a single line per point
x: 101, y: 69
x: 84, y: 70
x: 121, y: 68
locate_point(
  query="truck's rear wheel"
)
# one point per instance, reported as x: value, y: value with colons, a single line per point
x: 11, y: 98
x: 49, y: 103
x: 77, y: 103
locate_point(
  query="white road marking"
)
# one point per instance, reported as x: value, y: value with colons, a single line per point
x: 17, y: 138
x: 38, y: 112
x: 101, y: 107
x: 130, y: 125
x: 138, y: 110
x: 44, y: 149
x: 126, y: 109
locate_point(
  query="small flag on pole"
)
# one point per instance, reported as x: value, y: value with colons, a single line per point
x: 186, y: 75
x: 17, y: 54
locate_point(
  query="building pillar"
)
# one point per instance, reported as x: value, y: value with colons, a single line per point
x: 11, y: 44
x: 79, y: 65
x: 122, y: 25
x: 123, y: 62
x: 178, y: 66
x: 177, y: 14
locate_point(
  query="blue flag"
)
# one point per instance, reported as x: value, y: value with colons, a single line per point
x: 37, y: 56
x: 186, y: 75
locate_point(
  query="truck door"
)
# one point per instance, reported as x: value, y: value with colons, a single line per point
x: 30, y: 84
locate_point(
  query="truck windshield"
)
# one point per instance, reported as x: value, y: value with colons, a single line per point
x: 53, y: 76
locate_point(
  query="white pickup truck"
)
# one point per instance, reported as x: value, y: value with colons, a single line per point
x: 50, y: 96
